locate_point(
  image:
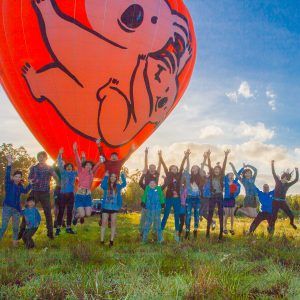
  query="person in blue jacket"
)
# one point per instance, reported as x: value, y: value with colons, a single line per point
x: 30, y: 223
x: 232, y: 189
x: 247, y: 176
x: 12, y: 203
x: 194, y: 185
x: 205, y: 197
x: 66, y: 195
x: 266, y: 198
x: 153, y: 200
x: 112, y: 203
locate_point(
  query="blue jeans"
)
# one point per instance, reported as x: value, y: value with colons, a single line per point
x: 7, y: 213
x: 192, y: 203
x: 175, y: 202
x: 143, y: 220
x: 152, y: 218
x: 83, y: 201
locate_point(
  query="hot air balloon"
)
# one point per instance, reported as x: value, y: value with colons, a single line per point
x: 80, y: 70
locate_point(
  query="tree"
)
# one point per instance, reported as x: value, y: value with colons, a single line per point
x: 133, y: 193
x: 22, y: 161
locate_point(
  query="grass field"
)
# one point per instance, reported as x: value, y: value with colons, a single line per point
x: 77, y: 267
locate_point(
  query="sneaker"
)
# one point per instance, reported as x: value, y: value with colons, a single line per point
x: 111, y: 243
x: 225, y: 231
x: 177, y: 238
x: 81, y: 220
x: 75, y: 220
x: 57, y: 232
x: 70, y: 231
x: 195, y: 234
x: 231, y: 232
x: 213, y: 225
x: 187, y: 235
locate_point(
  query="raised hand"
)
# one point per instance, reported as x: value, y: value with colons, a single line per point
x: 146, y: 150
x: 106, y: 173
x: 75, y: 147
x: 227, y: 152
x: 98, y: 141
x: 9, y: 159
x: 208, y: 153
x: 187, y: 153
x: 61, y: 151
x: 159, y: 153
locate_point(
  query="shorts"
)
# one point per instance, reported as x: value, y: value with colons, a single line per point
x: 83, y: 201
x: 229, y: 202
x: 109, y: 211
x: 250, y: 201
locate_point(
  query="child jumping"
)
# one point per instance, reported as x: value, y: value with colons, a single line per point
x: 12, y: 203
x: 232, y: 189
x: 173, y: 184
x: 66, y: 196
x: 30, y: 223
x: 247, y: 176
x: 266, y: 200
x: 153, y: 200
x: 150, y: 173
x: 112, y: 203
x: 282, y: 185
x: 217, y: 185
x: 83, y: 198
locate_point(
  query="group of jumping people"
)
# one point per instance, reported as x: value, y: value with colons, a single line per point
x: 190, y: 191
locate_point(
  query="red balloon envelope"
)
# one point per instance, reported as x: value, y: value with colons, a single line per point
x: 78, y: 70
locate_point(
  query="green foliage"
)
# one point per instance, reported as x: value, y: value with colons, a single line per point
x: 22, y: 161
x: 133, y: 193
x: 78, y: 267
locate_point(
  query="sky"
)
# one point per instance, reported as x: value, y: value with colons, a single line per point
x: 244, y: 93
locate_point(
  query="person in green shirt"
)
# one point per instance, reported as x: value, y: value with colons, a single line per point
x: 153, y: 200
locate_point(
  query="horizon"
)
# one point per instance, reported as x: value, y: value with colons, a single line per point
x: 242, y: 96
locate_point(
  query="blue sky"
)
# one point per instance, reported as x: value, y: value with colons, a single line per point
x: 244, y: 93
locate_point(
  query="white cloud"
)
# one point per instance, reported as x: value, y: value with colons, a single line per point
x: 211, y: 131
x: 244, y: 91
x: 257, y: 132
x: 257, y: 153
x: 233, y: 96
x: 271, y: 96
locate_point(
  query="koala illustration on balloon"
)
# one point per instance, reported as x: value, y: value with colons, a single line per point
x: 120, y: 75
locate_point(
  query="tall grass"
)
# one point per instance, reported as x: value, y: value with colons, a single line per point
x: 78, y: 267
